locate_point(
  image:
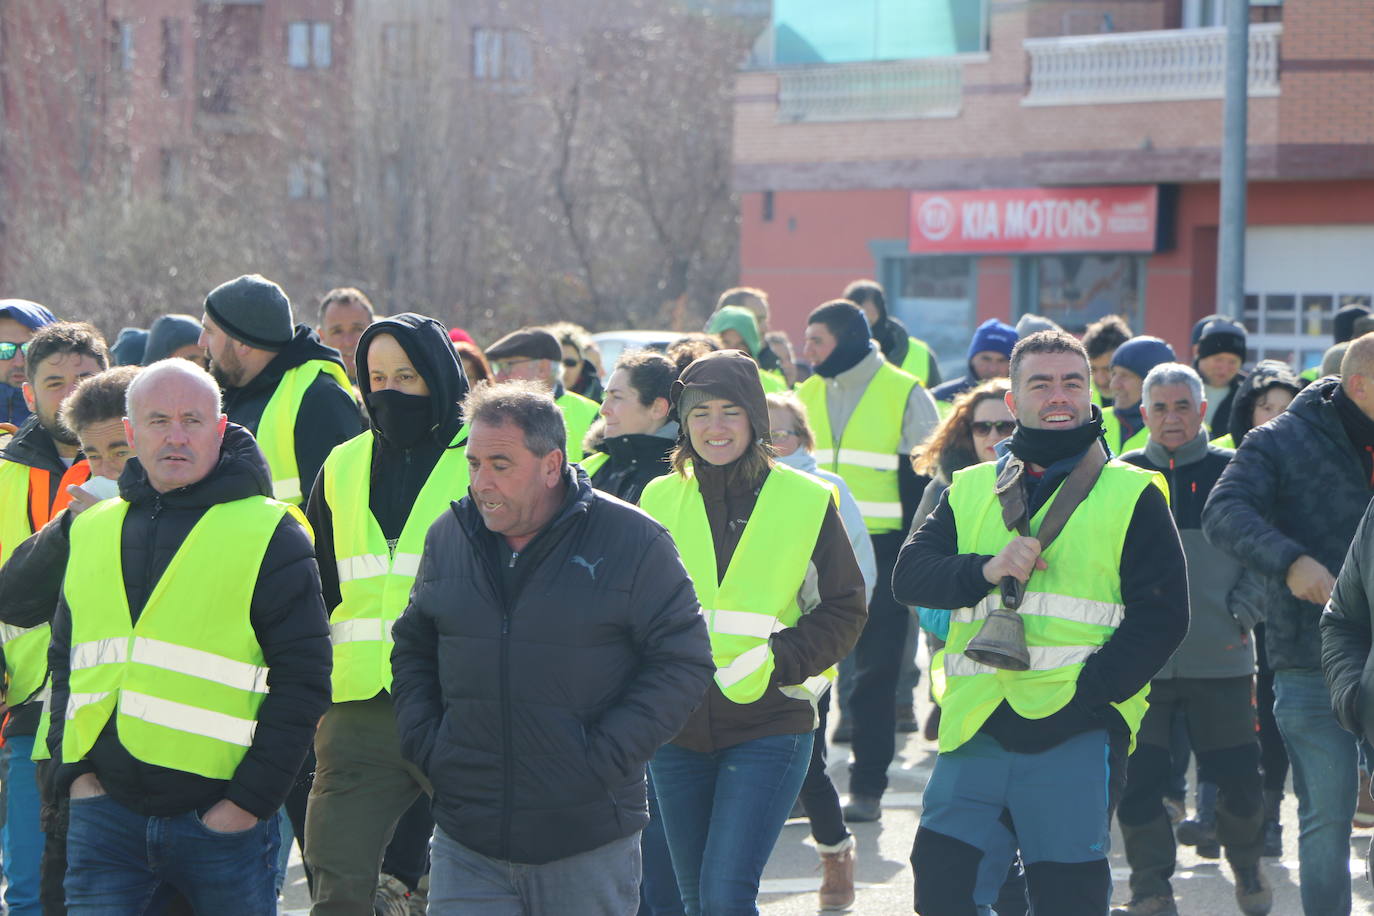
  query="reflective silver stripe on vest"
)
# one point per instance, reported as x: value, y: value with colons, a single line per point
x: 371, y: 565
x: 77, y: 700
x: 190, y: 719
x: 364, y: 629
x: 1045, y: 604
x: 1042, y: 658
x: 741, y: 623
x: 879, y: 510
x: 745, y: 664
x: 198, y: 663
x: 9, y: 632
x: 286, y: 489
x: 878, y: 461
x: 99, y: 652
x: 811, y: 689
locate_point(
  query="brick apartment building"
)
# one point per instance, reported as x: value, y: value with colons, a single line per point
x: 1058, y: 157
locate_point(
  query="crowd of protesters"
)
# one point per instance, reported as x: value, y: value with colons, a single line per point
x: 507, y: 630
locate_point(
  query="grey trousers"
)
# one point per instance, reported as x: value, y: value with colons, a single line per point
x: 600, y: 882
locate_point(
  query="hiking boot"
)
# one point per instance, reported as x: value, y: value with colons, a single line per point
x: 1253, y: 894
x: 906, y: 719
x: 1202, y: 834
x: 844, y: 732
x: 837, y: 876
x: 863, y: 809
x: 1159, y: 905
x: 392, y: 897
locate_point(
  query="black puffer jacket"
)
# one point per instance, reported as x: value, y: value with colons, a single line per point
x: 633, y: 461
x: 1294, y: 487
x: 328, y: 414
x: 287, y: 618
x: 398, y: 474
x: 534, y: 715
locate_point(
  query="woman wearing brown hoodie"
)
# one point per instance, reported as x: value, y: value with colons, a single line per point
x: 784, y: 600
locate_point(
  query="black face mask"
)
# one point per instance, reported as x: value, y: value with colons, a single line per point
x: 403, y: 420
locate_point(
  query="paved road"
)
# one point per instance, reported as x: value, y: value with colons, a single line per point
x: 1202, y: 887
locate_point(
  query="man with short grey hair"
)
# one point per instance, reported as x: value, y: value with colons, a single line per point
x: 1210, y: 677
x: 175, y: 753
x: 551, y: 645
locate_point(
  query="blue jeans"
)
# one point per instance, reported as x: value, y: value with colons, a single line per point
x: 658, y: 893
x: 722, y: 812
x: 599, y: 882
x: 118, y: 859
x: 1325, y: 763
x: 22, y: 836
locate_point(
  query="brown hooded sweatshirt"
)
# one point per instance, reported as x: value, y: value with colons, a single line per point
x: 833, y: 591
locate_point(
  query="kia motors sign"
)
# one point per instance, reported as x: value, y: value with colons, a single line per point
x: 1016, y: 220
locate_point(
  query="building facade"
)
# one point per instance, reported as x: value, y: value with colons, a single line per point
x: 1060, y: 158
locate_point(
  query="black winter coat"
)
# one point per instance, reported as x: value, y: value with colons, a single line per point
x: 287, y: 617
x: 534, y: 715
x: 328, y: 415
x: 632, y: 462
x: 1346, y: 636
x: 1294, y: 487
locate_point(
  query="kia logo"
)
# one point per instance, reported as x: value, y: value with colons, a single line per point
x: 935, y: 218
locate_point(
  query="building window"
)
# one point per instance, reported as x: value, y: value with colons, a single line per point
x: 1074, y: 290
x: 306, y: 179
x: 171, y: 56
x: 121, y: 48
x: 501, y: 55
x: 934, y: 297
x: 1294, y: 326
x: 173, y: 173
x: 398, y: 49
x: 310, y: 44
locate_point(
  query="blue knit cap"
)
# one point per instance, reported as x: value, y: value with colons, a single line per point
x: 1141, y: 354
x: 30, y: 314
x: 995, y: 336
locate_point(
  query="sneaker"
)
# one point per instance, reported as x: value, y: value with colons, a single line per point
x: 906, y: 719
x: 1159, y: 905
x: 837, y: 878
x: 1253, y: 894
x: 863, y: 809
x: 392, y: 898
x: 844, y: 732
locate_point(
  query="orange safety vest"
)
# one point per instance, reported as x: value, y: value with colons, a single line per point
x: 39, y: 510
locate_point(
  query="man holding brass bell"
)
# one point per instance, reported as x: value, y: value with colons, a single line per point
x: 1069, y: 590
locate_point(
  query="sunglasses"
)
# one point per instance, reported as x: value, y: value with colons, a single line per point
x: 984, y: 427
x: 8, y: 349
x: 571, y: 362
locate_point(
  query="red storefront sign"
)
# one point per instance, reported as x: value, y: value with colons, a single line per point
x: 1013, y: 220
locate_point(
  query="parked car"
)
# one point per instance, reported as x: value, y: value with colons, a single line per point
x: 613, y: 343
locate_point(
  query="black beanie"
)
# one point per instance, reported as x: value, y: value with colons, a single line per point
x: 847, y: 323
x: 1343, y: 325
x: 1221, y: 336
x: 254, y: 310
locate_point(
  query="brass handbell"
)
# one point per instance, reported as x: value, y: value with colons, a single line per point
x: 1001, y: 643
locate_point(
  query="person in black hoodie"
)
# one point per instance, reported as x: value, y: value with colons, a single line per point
x: 370, y: 507
x: 637, y: 435
x: 193, y: 804
x: 899, y: 348
x: 255, y: 349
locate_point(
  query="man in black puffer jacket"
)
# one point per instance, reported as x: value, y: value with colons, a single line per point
x: 551, y: 645
x: 1288, y: 507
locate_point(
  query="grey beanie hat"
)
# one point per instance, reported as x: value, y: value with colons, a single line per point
x: 169, y: 334
x: 254, y: 310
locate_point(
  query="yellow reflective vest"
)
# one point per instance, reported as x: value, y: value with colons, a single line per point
x: 918, y: 360
x: 374, y: 578
x: 593, y: 462
x: 277, y: 429
x: 186, y: 681
x: 579, y: 414
x: 758, y: 594
x: 865, y: 454
x: 1111, y: 427
x: 1070, y: 610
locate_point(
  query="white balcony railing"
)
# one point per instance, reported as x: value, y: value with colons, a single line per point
x: 930, y: 88
x: 1146, y: 66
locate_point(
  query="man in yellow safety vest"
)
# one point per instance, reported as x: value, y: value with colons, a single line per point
x: 280, y: 382
x: 190, y: 662
x: 1033, y: 760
